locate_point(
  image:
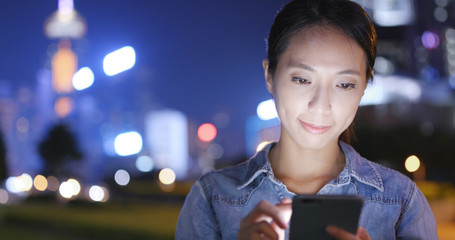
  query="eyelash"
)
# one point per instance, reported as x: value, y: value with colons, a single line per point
x: 344, y: 86
x: 300, y: 80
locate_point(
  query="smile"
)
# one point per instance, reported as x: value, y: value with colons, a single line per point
x: 314, y: 129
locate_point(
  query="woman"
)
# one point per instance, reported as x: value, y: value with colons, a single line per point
x: 320, y: 58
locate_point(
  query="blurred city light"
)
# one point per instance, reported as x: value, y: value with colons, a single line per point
x: 412, y: 163
x: 75, y: 186
x: 52, y: 183
x: 206, y: 132
x: 11, y: 185
x: 144, y: 163
x: 65, y: 190
x: 83, y: 78
x: 128, y: 143
x: 63, y: 106
x: 69, y: 188
x: 40, y: 183
x: 64, y: 65
x: 98, y: 193
x: 393, y: 13
x: 215, y: 151
x: 65, y: 6
x: 266, y: 110
x: 166, y: 132
x: 27, y: 182
x: 440, y: 14
x: 166, y: 176
x: 430, y: 40
x: 122, y: 177
x: 119, y: 61
x: 3, y: 196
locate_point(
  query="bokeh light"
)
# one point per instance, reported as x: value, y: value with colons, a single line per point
x: 412, y: 163
x: 167, y: 176
x: 266, y: 110
x: 96, y: 193
x: 63, y: 106
x: 27, y: 182
x: 119, y: 61
x: 122, y: 177
x: 83, y: 79
x: 128, y: 143
x: 52, y: 183
x: 144, y: 163
x: 40, y: 183
x: 3, y: 196
x: 206, y: 132
x: 70, y: 188
x: 430, y: 40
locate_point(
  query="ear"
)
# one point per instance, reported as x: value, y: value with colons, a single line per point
x: 268, y: 76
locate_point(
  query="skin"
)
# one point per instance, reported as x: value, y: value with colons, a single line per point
x: 317, y: 87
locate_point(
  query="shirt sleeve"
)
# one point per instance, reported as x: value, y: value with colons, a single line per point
x: 417, y: 221
x: 196, y: 219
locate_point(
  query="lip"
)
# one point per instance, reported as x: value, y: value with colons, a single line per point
x: 314, y: 129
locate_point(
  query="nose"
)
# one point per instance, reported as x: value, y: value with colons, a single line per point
x: 320, y: 102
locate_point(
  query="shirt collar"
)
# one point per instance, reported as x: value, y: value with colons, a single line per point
x: 356, y: 166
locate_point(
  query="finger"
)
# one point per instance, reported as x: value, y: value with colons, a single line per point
x: 266, y: 210
x: 339, y: 233
x: 362, y: 234
x: 259, y: 230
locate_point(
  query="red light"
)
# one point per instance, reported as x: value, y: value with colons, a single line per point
x: 206, y: 132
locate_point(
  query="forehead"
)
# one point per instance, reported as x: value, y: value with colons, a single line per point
x: 326, y: 44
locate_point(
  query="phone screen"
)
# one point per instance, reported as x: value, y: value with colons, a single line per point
x: 311, y: 214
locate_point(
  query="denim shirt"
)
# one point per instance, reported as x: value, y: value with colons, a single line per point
x: 394, y: 207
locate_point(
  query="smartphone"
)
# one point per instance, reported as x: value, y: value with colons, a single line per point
x: 311, y: 214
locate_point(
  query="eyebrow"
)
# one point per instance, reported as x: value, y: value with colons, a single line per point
x: 309, y: 68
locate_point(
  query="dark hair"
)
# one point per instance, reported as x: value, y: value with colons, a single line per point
x: 345, y: 15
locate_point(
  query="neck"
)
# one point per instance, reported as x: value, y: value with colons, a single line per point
x: 305, y: 170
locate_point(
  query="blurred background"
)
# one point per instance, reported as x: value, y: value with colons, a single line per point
x: 110, y: 110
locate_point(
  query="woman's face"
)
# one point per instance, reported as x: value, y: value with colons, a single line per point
x: 317, y: 86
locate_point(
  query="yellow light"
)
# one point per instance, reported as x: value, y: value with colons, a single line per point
x: 64, y: 65
x: 261, y: 146
x: 40, y: 183
x: 167, y: 176
x: 63, y: 106
x: 412, y: 163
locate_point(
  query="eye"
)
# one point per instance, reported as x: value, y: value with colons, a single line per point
x: 346, y: 86
x: 300, y: 80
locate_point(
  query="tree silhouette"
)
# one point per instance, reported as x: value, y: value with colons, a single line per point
x: 3, y: 165
x: 57, y: 149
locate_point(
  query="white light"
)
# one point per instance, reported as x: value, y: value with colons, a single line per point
x: 11, y: 185
x: 83, y: 78
x: 440, y: 14
x: 266, y: 110
x: 66, y: 190
x: 27, y: 182
x: 128, y: 143
x: 122, y: 177
x: 144, y: 163
x: 167, y: 176
x: 96, y: 193
x: 65, y: 6
x: 75, y: 186
x: 119, y: 61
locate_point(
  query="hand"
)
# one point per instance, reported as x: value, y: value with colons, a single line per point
x: 266, y: 221
x: 341, y: 234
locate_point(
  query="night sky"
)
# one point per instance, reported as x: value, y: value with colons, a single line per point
x: 200, y: 57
